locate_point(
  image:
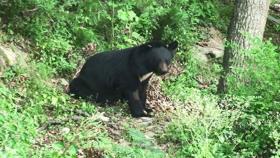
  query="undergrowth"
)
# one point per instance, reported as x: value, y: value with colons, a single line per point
x: 38, y: 119
x: 59, y: 30
x: 244, y: 123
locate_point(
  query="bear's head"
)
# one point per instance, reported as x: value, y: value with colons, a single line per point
x: 159, y: 56
x: 152, y: 57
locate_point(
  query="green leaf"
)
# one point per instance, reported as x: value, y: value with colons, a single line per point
x: 58, y: 145
x: 72, y: 150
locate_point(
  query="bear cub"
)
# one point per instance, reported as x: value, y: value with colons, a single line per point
x: 123, y: 74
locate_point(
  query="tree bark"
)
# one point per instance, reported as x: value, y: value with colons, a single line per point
x: 249, y: 18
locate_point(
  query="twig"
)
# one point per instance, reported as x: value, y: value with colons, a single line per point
x: 273, y: 19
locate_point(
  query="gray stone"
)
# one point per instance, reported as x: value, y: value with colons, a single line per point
x: 11, y: 55
x: 212, y: 48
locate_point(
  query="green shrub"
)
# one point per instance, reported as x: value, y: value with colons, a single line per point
x: 59, y: 28
x: 257, y: 128
x: 245, y: 122
x: 260, y: 74
x: 25, y: 104
x: 202, y: 129
x: 17, y: 128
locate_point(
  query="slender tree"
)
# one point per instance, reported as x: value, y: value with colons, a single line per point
x: 249, y: 17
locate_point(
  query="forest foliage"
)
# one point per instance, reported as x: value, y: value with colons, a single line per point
x: 243, y: 123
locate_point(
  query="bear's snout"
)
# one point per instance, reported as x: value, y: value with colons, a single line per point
x: 163, y: 68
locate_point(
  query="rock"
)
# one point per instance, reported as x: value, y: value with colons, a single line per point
x: 11, y: 55
x: 123, y: 142
x: 114, y: 132
x: 76, y: 118
x: 82, y: 113
x: 2, y: 64
x: 100, y: 117
x: 146, y: 119
x: 65, y: 130
x: 150, y: 134
x: 104, y: 118
x: 63, y: 82
x: 212, y: 48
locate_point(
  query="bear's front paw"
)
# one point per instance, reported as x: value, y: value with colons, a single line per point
x: 139, y: 113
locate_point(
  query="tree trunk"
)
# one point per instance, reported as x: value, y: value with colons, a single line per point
x: 249, y: 18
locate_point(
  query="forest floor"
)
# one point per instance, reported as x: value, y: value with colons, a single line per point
x: 70, y: 127
x: 122, y: 129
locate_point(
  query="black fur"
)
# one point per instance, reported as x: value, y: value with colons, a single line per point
x: 114, y: 75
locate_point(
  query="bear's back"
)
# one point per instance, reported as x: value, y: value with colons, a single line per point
x: 103, y: 70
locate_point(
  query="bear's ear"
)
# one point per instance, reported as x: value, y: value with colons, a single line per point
x: 173, y: 47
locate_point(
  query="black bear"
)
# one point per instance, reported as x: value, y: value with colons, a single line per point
x: 123, y: 74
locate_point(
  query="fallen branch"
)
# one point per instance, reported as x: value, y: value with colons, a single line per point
x: 29, y: 11
x: 273, y: 19
x: 275, y: 7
